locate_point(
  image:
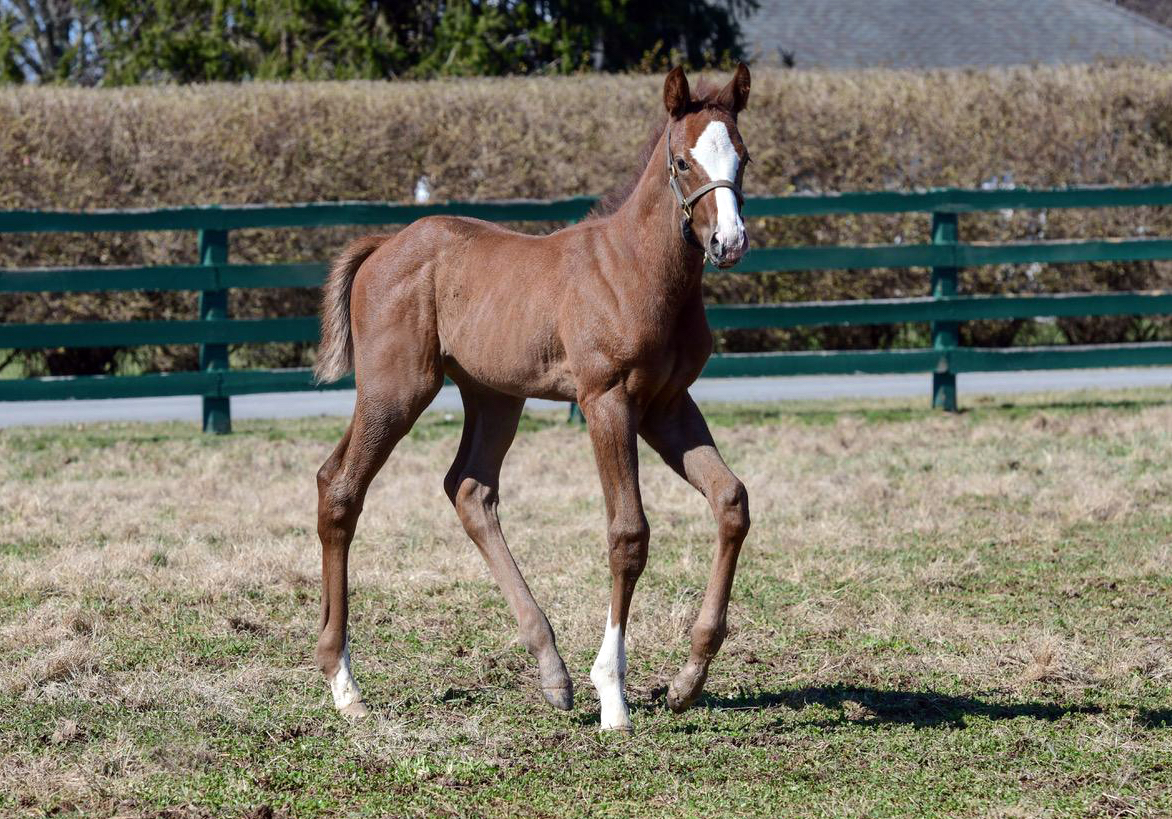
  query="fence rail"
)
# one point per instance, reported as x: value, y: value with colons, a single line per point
x: 944, y: 308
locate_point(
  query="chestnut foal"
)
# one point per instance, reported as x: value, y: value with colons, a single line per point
x: 607, y: 313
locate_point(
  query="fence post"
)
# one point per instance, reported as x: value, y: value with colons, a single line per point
x: 945, y: 334
x: 213, y: 305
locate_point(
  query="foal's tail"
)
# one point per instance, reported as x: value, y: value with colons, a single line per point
x: 335, y: 355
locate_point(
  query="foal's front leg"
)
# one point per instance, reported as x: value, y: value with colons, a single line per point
x: 680, y: 435
x: 613, y: 425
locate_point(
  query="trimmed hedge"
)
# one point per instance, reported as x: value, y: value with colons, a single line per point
x: 554, y: 137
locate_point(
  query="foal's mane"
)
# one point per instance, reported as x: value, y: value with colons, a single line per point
x: 703, y: 96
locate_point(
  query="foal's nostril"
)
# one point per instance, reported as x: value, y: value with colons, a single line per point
x: 714, y: 242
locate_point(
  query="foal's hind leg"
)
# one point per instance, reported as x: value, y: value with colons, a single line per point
x: 490, y: 422
x: 680, y: 435
x: 380, y: 421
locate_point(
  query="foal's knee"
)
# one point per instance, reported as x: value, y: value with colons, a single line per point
x: 731, y: 507
x: 628, y: 539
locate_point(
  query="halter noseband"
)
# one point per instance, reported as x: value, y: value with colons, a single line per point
x: 687, y: 202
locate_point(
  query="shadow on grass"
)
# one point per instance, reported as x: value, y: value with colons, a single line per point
x: 862, y: 706
x: 1155, y: 717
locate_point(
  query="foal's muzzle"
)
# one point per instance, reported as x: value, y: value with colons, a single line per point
x: 725, y: 255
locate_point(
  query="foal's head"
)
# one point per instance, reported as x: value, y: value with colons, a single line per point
x: 707, y: 160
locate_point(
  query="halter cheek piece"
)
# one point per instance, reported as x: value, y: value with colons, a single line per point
x: 686, y: 203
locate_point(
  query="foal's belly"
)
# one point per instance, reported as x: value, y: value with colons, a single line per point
x: 517, y: 354
x: 528, y: 378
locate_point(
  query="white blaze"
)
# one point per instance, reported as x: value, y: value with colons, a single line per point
x: 715, y: 153
x: 609, y: 675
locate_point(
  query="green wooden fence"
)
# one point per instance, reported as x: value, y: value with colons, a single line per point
x: 943, y: 307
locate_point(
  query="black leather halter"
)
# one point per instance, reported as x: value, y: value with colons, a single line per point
x: 687, y: 202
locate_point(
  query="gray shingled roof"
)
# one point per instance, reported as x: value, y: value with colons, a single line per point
x: 949, y: 33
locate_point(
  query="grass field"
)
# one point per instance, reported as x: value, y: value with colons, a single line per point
x: 933, y: 616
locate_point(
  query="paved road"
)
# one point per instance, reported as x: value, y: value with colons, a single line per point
x: 300, y: 405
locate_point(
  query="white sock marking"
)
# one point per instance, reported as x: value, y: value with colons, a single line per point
x: 342, y: 685
x: 714, y: 152
x: 609, y: 676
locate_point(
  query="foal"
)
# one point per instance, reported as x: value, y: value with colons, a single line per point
x: 607, y: 313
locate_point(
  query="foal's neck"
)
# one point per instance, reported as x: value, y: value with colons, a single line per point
x: 648, y: 225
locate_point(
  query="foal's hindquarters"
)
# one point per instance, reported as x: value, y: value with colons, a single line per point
x: 399, y: 367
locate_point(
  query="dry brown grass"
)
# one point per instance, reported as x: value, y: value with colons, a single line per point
x: 1005, y: 570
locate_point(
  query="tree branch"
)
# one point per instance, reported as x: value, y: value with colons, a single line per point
x: 39, y: 36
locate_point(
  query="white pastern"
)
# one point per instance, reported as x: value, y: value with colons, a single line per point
x: 342, y: 685
x: 609, y: 675
x: 714, y: 152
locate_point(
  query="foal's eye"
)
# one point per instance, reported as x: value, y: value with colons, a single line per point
x: 681, y: 165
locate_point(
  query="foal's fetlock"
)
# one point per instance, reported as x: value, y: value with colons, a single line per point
x: 687, y: 686
x: 610, y: 681
x: 614, y: 714
x: 335, y: 668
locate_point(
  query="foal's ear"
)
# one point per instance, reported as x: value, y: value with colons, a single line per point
x: 676, y: 94
x: 735, y: 95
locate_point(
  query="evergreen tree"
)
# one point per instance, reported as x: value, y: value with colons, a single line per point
x: 116, y: 42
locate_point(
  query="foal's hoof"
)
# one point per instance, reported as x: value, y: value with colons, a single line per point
x: 556, y: 685
x: 686, y: 688
x: 560, y: 698
x: 355, y: 711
